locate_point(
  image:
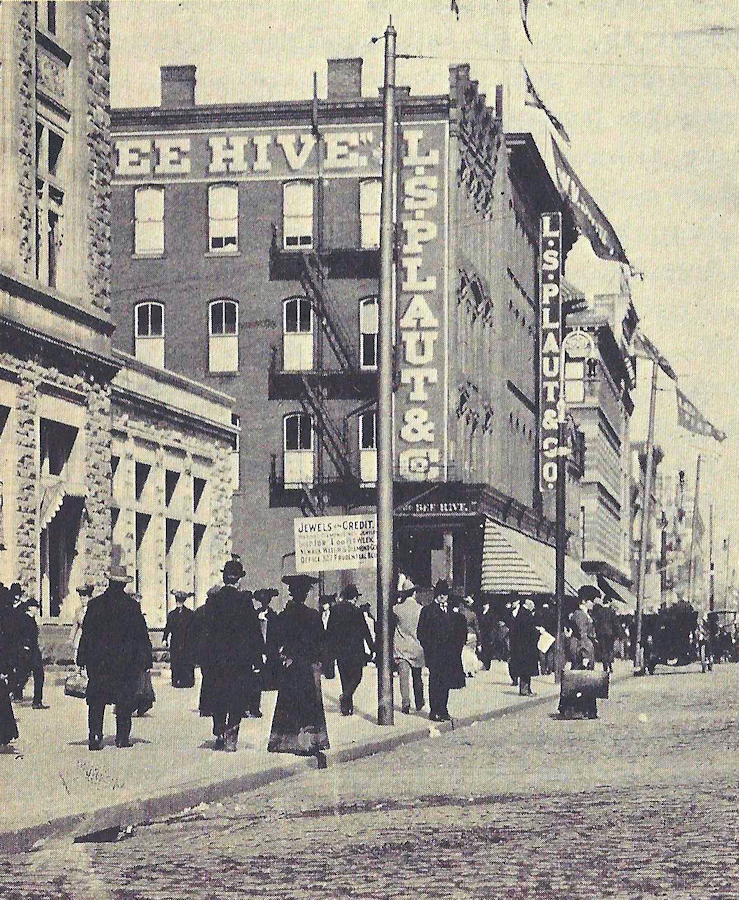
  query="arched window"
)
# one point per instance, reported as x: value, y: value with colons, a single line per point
x: 297, y: 335
x: 297, y: 215
x: 368, y: 328
x: 223, y: 336
x: 368, y: 447
x: 149, y: 333
x: 148, y: 231
x: 223, y: 218
x: 370, y: 193
x: 298, y: 449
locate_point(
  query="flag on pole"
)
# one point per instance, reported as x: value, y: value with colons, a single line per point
x: 644, y: 348
x: 533, y: 99
x: 588, y: 215
x: 692, y: 419
x: 524, y: 20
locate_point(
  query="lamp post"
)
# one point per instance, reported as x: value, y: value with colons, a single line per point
x: 578, y: 343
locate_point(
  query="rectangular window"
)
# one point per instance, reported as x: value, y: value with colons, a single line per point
x: 297, y: 215
x: 149, y: 221
x: 149, y: 334
x: 49, y: 203
x: 370, y: 193
x: 223, y: 343
x: 223, y: 218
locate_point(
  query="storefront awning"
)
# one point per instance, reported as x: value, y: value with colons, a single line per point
x: 514, y: 563
x: 623, y: 596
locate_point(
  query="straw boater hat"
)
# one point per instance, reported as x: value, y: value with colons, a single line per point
x: 301, y: 581
x: 181, y: 596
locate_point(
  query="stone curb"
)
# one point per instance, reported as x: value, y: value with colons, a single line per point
x: 176, y: 800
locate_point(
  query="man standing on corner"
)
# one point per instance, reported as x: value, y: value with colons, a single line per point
x: 115, y: 649
x: 442, y: 633
x: 232, y: 656
x: 346, y: 636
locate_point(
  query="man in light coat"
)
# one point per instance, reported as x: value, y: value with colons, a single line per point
x: 407, y: 649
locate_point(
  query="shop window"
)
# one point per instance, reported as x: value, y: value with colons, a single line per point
x: 370, y: 193
x: 297, y: 335
x: 368, y: 447
x: 298, y: 449
x: 223, y: 336
x: 148, y: 239
x: 297, y: 215
x: 368, y: 329
x: 149, y: 333
x: 223, y: 218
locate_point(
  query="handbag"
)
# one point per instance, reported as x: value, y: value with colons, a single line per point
x: 75, y: 685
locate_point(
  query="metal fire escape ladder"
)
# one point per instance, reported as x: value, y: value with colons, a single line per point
x: 313, y: 282
x: 333, y: 440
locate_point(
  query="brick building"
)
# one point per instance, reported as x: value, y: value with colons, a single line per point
x: 66, y: 397
x: 246, y: 256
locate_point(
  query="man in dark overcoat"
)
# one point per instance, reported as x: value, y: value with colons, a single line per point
x: 605, y: 620
x: 115, y: 649
x: 177, y: 636
x: 583, y: 628
x: 524, y: 658
x: 270, y: 670
x: 232, y: 650
x: 442, y: 633
x: 347, y: 639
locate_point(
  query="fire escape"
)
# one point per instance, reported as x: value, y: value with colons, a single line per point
x: 336, y: 375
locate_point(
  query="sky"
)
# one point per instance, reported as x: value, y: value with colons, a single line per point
x: 648, y: 91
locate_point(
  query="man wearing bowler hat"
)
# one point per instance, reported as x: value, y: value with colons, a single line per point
x: 442, y: 632
x: 115, y: 649
x: 346, y: 636
x: 232, y: 656
x: 177, y: 636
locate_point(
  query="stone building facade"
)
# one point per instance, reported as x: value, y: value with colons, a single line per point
x: 63, y: 391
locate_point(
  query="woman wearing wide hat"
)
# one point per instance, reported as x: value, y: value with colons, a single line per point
x: 299, y: 722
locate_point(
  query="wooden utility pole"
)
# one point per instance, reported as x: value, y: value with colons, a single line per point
x: 385, y: 396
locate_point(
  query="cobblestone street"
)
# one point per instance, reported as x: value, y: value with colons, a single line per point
x: 640, y: 804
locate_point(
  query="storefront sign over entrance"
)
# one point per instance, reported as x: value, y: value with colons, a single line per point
x: 326, y: 543
x: 550, y: 340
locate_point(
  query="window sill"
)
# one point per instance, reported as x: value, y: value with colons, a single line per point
x: 230, y: 373
x: 221, y: 254
x: 148, y: 256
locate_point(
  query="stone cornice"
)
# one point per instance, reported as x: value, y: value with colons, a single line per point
x: 296, y: 112
x: 49, y: 299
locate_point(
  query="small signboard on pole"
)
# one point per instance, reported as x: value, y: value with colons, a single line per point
x: 326, y: 543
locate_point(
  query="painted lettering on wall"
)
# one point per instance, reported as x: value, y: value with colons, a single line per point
x: 550, y: 337
x: 421, y: 325
x: 251, y: 153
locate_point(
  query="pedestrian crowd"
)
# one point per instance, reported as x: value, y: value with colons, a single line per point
x: 244, y: 647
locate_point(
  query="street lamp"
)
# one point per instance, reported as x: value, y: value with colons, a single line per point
x: 578, y: 343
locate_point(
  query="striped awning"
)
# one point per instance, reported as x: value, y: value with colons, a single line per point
x: 514, y: 563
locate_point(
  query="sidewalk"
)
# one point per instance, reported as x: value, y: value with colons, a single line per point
x: 53, y: 785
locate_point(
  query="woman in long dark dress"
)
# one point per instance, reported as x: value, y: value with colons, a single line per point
x: 299, y: 722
